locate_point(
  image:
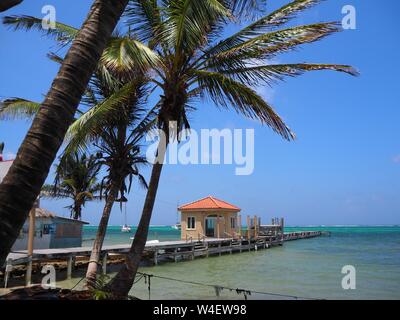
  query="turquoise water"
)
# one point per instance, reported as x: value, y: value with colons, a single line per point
x: 307, y: 268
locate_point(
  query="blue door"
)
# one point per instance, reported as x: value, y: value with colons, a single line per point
x: 210, y: 227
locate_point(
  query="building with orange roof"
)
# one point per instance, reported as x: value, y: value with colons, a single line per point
x: 209, y: 217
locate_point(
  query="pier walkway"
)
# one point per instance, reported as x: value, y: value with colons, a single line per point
x: 155, y: 251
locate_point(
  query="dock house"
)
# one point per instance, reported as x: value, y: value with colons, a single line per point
x: 209, y: 217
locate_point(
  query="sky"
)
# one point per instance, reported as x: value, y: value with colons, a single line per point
x: 344, y: 166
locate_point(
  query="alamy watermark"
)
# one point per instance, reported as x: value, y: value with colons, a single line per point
x: 349, y: 280
x: 49, y: 20
x: 49, y: 280
x: 209, y: 146
x: 349, y: 21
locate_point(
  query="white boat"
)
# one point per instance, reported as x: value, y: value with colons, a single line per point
x: 176, y: 226
x: 126, y: 228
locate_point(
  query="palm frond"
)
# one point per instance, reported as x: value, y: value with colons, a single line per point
x: 63, y: 33
x: 246, y: 8
x: 270, y: 44
x: 49, y: 191
x: 256, y: 75
x: 92, y: 122
x: 18, y: 108
x: 144, y: 20
x: 264, y: 24
x: 189, y: 20
x: 227, y: 92
x: 125, y: 55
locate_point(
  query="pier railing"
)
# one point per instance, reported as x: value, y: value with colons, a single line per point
x: 161, y: 251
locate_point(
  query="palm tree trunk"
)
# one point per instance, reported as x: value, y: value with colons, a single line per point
x: 91, y: 272
x: 123, y: 281
x: 8, y: 4
x: 77, y: 211
x: 26, y: 176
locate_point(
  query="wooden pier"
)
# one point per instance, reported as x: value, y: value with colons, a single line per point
x: 155, y: 251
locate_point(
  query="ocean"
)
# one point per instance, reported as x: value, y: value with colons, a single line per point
x: 309, y: 268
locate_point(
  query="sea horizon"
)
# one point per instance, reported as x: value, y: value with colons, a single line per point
x: 288, y: 226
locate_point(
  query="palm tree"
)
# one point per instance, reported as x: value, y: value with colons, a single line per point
x: 1, y: 150
x: 184, y: 33
x: 76, y: 178
x: 23, y: 183
x: 113, y: 122
x: 8, y: 4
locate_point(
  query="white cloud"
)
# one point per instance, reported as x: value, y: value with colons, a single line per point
x: 266, y: 92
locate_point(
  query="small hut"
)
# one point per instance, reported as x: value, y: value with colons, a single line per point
x: 51, y: 231
x: 209, y: 217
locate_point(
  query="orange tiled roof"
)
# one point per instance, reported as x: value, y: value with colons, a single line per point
x: 208, y: 203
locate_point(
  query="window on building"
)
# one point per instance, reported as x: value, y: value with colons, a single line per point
x: 191, y: 223
x: 46, y: 229
x: 233, y: 223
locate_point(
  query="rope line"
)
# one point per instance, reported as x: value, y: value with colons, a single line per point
x: 219, y: 288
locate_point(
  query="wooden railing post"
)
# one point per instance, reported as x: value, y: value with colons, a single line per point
x: 248, y: 227
x: 255, y: 227
x: 239, y: 222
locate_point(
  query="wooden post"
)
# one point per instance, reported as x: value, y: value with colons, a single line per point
x: 31, y: 232
x: 218, y: 231
x: 69, y: 267
x: 7, y: 272
x: 155, y: 257
x: 248, y: 227
x: 239, y: 222
x: 176, y: 255
x: 28, y: 279
x: 219, y: 248
x: 192, y: 255
x: 104, y: 263
x: 255, y: 227
x: 31, y: 238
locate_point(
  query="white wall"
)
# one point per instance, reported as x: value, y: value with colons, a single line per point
x: 4, y: 166
x: 39, y: 242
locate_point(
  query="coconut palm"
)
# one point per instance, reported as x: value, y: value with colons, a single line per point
x: 28, y: 172
x: 113, y: 125
x: 1, y: 150
x: 76, y: 179
x: 8, y: 4
x: 185, y: 34
x: 113, y: 122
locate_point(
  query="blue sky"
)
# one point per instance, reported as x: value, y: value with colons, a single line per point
x: 344, y: 168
